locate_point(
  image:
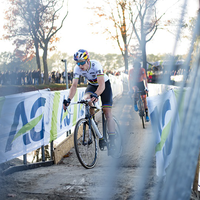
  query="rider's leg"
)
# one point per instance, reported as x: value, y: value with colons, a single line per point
x: 92, y: 111
x: 111, y: 125
x: 144, y: 99
x: 135, y: 89
x: 109, y: 119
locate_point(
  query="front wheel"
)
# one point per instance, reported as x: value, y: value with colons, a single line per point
x: 85, y: 147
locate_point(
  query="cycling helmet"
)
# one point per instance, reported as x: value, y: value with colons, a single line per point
x: 81, y: 54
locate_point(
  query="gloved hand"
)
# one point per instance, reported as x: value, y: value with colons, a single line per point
x: 66, y: 103
x: 94, y: 97
x: 146, y: 89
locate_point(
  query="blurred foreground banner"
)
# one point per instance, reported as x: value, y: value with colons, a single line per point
x: 165, y: 122
x: 30, y: 120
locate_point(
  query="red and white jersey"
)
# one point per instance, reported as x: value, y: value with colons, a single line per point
x: 95, y: 70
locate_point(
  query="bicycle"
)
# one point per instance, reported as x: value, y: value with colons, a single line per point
x: 141, y: 109
x: 86, y: 134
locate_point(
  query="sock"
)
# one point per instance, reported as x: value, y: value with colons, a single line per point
x: 111, y: 134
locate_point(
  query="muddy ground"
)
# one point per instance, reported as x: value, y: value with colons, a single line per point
x: 110, y: 179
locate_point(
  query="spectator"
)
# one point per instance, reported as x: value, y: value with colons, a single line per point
x: 23, y: 75
x: 53, y: 77
x: 69, y: 78
x: 42, y: 77
x: 57, y: 77
x: 63, y: 77
x: 29, y: 78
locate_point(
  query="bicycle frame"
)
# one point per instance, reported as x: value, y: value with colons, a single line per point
x: 90, y: 119
x: 86, y: 136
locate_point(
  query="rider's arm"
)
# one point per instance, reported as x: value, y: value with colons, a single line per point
x: 145, y: 82
x: 73, y: 88
x: 101, y: 87
x: 145, y: 79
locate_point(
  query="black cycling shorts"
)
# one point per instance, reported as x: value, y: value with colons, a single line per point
x: 141, y: 87
x: 106, y: 96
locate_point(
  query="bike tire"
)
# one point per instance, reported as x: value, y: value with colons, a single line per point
x: 86, y: 152
x: 118, y: 140
x: 141, y: 113
x: 143, y: 120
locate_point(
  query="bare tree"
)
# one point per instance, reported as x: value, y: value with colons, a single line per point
x: 145, y: 23
x: 32, y: 23
x: 128, y: 17
x: 119, y: 29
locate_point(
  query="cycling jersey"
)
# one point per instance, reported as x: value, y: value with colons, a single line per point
x: 95, y: 70
x: 141, y: 75
x: 139, y: 80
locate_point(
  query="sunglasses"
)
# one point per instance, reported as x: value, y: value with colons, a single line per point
x: 81, y: 63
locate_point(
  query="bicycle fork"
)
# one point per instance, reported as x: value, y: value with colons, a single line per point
x: 90, y: 134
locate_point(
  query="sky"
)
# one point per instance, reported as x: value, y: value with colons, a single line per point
x: 77, y: 33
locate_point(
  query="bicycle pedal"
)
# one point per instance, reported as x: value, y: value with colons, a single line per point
x: 102, y: 144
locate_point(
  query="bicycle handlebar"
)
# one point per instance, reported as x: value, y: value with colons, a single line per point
x: 85, y: 102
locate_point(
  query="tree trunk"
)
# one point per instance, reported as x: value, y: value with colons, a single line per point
x: 38, y: 59
x: 46, y: 76
x: 126, y: 58
x: 144, y: 56
x: 143, y: 47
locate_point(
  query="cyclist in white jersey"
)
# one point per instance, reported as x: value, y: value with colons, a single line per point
x: 98, y: 85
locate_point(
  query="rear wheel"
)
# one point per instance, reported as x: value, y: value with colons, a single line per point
x: 143, y: 120
x: 117, y: 140
x: 85, y: 147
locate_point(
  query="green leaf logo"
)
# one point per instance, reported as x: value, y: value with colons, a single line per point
x: 28, y: 126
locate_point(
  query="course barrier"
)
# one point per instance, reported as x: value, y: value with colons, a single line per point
x: 31, y: 120
x: 162, y: 104
x: 34, y: 119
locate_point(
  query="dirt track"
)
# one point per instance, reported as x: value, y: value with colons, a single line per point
x: 110, y: 179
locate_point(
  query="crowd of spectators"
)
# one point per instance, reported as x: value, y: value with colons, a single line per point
x: 19, y: 78
x: 32, y: 77
x: 60, y: 77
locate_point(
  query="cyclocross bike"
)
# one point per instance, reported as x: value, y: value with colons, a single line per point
x: 87, y: 134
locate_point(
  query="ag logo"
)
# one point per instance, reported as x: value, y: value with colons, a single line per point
x: 20, y: 113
